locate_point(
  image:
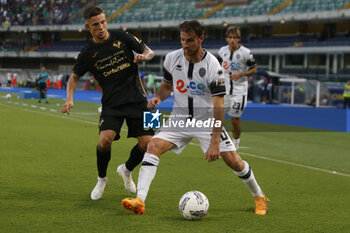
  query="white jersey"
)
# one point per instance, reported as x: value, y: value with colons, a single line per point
x: 194, y: 84
x: 238, y: 61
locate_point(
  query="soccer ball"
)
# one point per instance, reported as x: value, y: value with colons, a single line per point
x: 193, y: 205
x: 99, y: 110
x: 8, y: 96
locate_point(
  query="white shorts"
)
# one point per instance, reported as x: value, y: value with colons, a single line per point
x: 180, y: 139
x: 235, y: 105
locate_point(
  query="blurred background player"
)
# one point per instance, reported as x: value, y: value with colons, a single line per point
x: 110, y: 58
x: 201, y: 68
x: 238, y: 63
x: 150, y: 83
x: 42, y: 78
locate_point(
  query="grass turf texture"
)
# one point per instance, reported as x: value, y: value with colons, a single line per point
x: 48, y: 169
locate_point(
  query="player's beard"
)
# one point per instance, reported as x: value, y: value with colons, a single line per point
x: 191, y: 52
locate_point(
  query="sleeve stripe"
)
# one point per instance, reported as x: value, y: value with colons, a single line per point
x: 167, y: 76
x: 220, y: 93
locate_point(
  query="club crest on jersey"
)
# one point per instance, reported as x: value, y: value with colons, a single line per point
x: 202, y: 72
x: 238, y: 56
x: 117, y: 44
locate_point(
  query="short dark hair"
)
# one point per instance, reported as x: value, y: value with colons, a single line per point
x: 193, y: 26
x: 92, y: 11
x: 234, y: 30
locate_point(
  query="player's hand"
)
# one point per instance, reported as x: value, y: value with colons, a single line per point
x: 213, y: 152
x: 139, y: 58
x: 68, y: 105
x: 152, y: 103
x: 235, y: 76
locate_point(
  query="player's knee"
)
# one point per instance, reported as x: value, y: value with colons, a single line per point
x: 105, y: 143
x: 144, y: 142
x: 152, y: 147
x: 155, y: 147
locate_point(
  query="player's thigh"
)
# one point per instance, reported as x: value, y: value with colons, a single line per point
x: 177, y: 139
x: 204, y: 139
x: 136, y: 130
x: 113, y: 123
x: 158, y: 146
x: 235, y: 105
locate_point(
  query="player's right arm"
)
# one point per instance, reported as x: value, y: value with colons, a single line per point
x: 164, y: 92
x: 71, y: 86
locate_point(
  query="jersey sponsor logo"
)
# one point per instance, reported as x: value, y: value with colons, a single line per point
x: 231, y: 66
x: 193, y: 87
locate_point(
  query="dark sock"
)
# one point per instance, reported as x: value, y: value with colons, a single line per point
x: 136, y: 156
x: 103, y: 158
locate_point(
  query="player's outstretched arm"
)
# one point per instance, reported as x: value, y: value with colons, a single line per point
x: 146, y: 55
x: 236, y: 76
x: 71, y: 86
x: 213, y: 151
x: 164, y: 92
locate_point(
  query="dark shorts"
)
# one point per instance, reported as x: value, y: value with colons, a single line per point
x: 132, y: 113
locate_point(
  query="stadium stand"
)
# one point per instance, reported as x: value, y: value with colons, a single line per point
x: 305, y: 38
x: 312, y: 6
x: 31, y: 12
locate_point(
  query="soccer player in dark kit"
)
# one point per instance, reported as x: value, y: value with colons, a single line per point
x: 110, y: 58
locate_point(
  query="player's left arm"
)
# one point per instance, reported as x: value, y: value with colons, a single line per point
x: 146, y: 55
x: 249, y: 72
x: 143, y: 52
x: 252, y: 69
x: 213, y: 151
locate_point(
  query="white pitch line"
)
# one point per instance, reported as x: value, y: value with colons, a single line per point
x: 86, y: 113
x: 289, y: 163
x: 196, y: 144
x: 295, y: 164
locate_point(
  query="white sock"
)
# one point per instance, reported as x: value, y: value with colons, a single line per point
x: 248, y: 178
x: 147, y: 173
x: 236, y: 142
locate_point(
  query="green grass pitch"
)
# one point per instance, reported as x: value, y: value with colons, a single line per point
x: 48, y: 169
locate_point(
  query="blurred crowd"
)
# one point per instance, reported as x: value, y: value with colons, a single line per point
x: 37, y: 12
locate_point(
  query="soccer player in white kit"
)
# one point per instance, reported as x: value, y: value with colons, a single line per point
x: 195, y: 77
x: 238, y: 63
